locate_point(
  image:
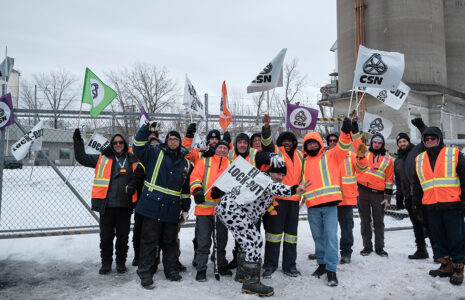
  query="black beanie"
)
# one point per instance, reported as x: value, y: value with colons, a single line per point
x: 282, y: 170
x: 402, y: 135
x: 172, y: 133
x: 213, y: 133
x: 242, y: 137
x: 222, y: 142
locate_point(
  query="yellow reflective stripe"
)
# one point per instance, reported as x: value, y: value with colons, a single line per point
x: 440, y: 182
x: 273, y: 238
x: 348, y: 165
x: 252, y: 156
x: 356, y: 136
x: 388, y: 185
x: 206, y: 174
x: 301, y: 158
x: 385, y: 163
x: 266, y: 141
x: 419, y: 167
x: 143, y: 167
x: 183, y: 196
x: 157, y: 168
x: 152, y: 187
x: 101, y: 181
x: 324, y: 191
x: 101, y: 168
x: 139, y: 143
x: 289, y: 238
x: 208, y: 203
x: 349, y: 180
x: 231, y: 155
x: 360, y: 168
x: 343, y: 146
x: 324, y: 171
x: 195, y: 182
x: 450, y: 163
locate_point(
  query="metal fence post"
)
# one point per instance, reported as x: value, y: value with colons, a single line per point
x: 2, y: 156
x: 206, y: 113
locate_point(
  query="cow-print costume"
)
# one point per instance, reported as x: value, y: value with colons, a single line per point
x: 241, y: 219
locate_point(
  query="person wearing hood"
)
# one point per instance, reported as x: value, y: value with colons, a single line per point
x: 441, y: 176
x: 205, y: 173
x: 281, y: 223
x: 112, y: 171
x: 375, y: 192
x: 241, y: 220
x: 164, y: 196
x: 322, y: 168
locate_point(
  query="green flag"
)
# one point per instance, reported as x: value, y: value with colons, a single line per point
x: 96, y: 93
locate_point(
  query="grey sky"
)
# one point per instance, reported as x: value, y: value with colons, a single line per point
x: 209, y: 40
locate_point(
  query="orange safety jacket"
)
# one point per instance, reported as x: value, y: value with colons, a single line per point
x: 324, y: 171
x: 442, y: 184
x: 293, y: 170
x: 379, y: 175
x: 351, y: 166
x: 102, y: 178
x: 194, y: 154
x: 205, y: 173
x: 250, y: 158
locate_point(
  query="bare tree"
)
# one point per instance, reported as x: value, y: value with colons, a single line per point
x: 56, y: 87
x: 294, y: 82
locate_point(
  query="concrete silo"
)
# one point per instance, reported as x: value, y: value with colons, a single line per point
x: 454, y: 23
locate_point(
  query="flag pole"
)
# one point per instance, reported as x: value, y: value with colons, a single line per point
x: 350, y: 104
x: 268, y: 101
x: 79, y: 117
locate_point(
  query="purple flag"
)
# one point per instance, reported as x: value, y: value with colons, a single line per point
x: 6, y: 111
x: 301, y: 117
x: 144, y: 117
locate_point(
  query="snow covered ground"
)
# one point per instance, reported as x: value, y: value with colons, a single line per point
x: 66, y: 267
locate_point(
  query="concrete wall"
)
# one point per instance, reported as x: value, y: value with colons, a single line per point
x: 454, y: 22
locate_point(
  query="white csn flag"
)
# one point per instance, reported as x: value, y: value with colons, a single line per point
x: 31, y: 139
x: 191, y: 100
x: 243, y: 180
x: 96, y: 143
x: 270, y: 77
x: 375, y: 124
x: 378, y: 69
x: 394, y: 98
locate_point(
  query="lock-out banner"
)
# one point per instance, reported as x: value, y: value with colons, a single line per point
x: 96, y: 143
x: 394, y: 98
x: 300, y: 117
x: 378, y: 69
x: 31, y: 139
x: 242, y: 179
x: 375, y: 124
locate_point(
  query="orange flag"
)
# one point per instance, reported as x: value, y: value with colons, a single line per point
x: 225, y: 116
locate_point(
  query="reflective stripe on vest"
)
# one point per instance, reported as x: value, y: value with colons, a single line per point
x: 325, y: 178
x: 99, y: 180
x: 252, y: 152
x: 349, y: 177
x: 450, y: 179
x: 324, y: 191
x: 382, y: 168
x: 206, y: 175
x: 273, y: 238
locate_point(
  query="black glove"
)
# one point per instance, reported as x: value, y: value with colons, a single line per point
x: 107, y: 151
x: 399, y: 201
x: 217, y: 193
x: 209, y: 152
x: 227, y: 137
x: 77, y: 135
x: 418, y: 123
x: 191, y: 129
x: 354, y: 126
x: 130, y: 190
x: 199, y: 196
x: 346, y: 125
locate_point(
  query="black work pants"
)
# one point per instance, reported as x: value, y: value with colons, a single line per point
x: 115, y: 221
x: 369, y: 206
x: 136, y: 231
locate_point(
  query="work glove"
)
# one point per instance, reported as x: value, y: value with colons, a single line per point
x: 216, y: 193
x: 399, y: 201
x: 355, y: 125
x: 77, y: 135
x: 346, y: 125
x: 152, y: 126
x: 361, y: 150
x: 386, y: 201
x: 418, y: 123
x: 266, y: 121
x: 107, y: 151
x: 184, y: 217
x: 191, y: 130
x: 227, y: 137
x: 276, y: 161
x: 199, y: 196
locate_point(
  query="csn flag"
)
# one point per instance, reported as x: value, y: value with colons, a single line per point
x: 144, y: 117
x: 96, y: 143
x: 300, y: 117
x: 243, y: 180
x: 394, y: 98
x: 192, y: 101
x: 33, y: 137
x: 225, y: 117
x: 375, y: 124
x: 6, y: 111
x: 5, y: 68
x: 96, y: 93
x: 378, y: 69
x: 270, y: 77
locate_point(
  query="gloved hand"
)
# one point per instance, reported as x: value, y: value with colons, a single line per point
x: 77, y: 135
x: 209, y: 152
x: 399, y: 201
x: 199, y: 196
x: 107, y: 151
x: 191, y: 130
x: 184, y: 217
x: 276, y: 161
x: 152, y: 126
x: 346, y: 125
x: 217, y: 193
x: 130, y: 190
x: 418, y: 123
x: 361, y: 150
x: 266, y: 121
x: 386, y: 201
x: 227, y: 137
x: 355, y: 125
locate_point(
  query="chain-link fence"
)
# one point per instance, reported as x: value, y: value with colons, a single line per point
x: 50, y: 193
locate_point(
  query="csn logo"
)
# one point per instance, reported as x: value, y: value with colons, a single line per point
x: 264, y: 75
x: 374, y: 67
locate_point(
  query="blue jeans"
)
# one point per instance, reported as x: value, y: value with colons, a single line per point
x: 323, y: 224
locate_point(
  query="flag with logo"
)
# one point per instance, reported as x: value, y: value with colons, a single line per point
x: 144, y: 117
x: 378, y: 69
x: 96, y: 93
x: 30, y: 141
x: 192, y: 101
x: 242, y: 179
x: 394, y: 98
x: 271, y: 76
x: 225, y: 116
x: 300, y: 117
x: 6, y: 111
x: 96, y: 143
x: 376, y: 124
x: 5, y: 68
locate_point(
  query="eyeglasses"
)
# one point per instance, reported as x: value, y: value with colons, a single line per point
x: 118, y: 142
x: 173, y: 140
x: 332, y: 141
x: 430, y: 138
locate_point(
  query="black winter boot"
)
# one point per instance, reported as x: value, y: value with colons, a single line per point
x: 121, y: 267
x: 252, y: 284
x: 332, y: 278
x: 320, y: 270
x: 421, y: 252
x: 105, y: 268
x: 240, y: 267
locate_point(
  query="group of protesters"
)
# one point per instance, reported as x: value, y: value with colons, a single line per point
x: 156, y: 180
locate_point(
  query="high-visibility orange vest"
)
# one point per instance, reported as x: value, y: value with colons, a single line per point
x: 379, y: 175
x: 324, y: 171
x: 194, y: 154
x: 102, y: 178
x: 206, y: 171
x: 442, y: 185
x: 293, y: 169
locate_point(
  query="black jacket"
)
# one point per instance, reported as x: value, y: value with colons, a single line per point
x: 400, y: 173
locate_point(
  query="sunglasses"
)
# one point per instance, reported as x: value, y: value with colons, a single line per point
x: 430, y: 138
x: 332, y: 140
x: 118, y: 142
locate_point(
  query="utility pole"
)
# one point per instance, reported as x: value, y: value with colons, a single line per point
x: 206, y: 113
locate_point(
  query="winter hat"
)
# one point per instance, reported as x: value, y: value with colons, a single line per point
x: 213, y: 134
x: 222, y: 142
x: 402, y: 135
x: 242, y: 137
x: 172, y: 133
x: 257, y: 134
x: 377, y: 139
x: 282, y: 170
x: 286, y: 135
x: 336, y: 134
